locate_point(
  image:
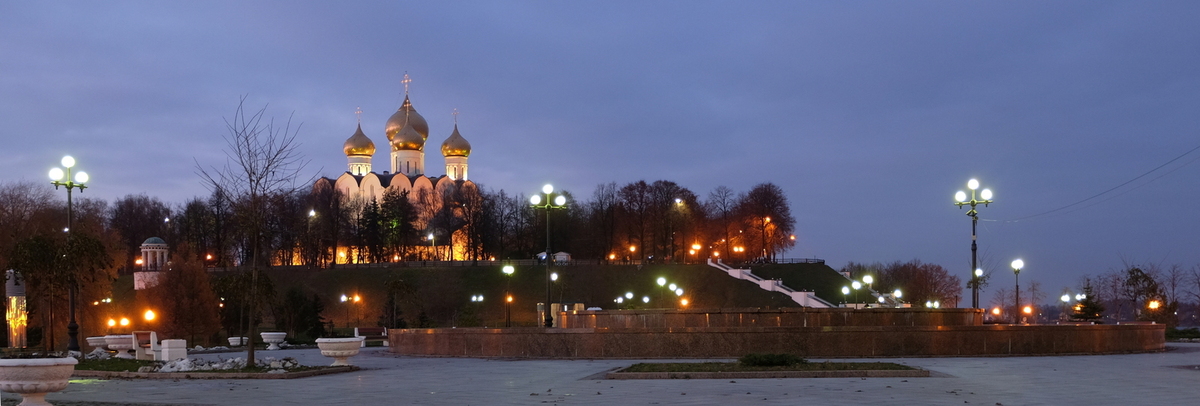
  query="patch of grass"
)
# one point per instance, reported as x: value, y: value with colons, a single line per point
x: 739, y: 367
x: 114, y: 364
x: 771, y: 360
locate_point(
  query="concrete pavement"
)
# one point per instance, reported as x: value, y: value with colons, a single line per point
x: 389, y: 379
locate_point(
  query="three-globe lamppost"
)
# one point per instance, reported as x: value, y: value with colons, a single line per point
x: 60, y: 177
x: 984, y: 198
x: 559, y: 202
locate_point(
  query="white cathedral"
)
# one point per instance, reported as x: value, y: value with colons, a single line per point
x: 407, y: 133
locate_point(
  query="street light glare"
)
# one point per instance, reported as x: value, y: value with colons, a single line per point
x: 960, y: 196
x: 856, y: 285
x: 661, y: 281
x: 986, y: 194
x: 554, y: 276
x: 973, y: 184
x: 1018, y: 264
x: 978, y: 272
x: 845, y: 290
x: 629, y: 295
x: 672, y: 286
x: 149, y: 315
x: 645, y: 299
x: 679, y: 292
x: 81, y: 177
x: 1066, y: 298
x: 560, y: 200
x: 508, y: 269
x: 535, y: 199
x: 868, y: 279
x: 68, y: 162
x: 896, y: 294
x: 548, y: 189
x: 56, y: 173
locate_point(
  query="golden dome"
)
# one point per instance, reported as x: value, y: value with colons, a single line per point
x: 406, y: 115
x: 456, y: 145
x: 359, y: 144
x: 408, y: 139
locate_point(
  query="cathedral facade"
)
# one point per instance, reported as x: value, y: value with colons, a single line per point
x: 407, y: 134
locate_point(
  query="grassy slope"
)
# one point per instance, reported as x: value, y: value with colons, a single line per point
x: 444, y: 293
x: 820, y: 278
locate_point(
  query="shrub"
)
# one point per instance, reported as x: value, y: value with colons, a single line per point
x: 771, y: 360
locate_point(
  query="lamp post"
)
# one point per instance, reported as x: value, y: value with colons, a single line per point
x: 1016, y: 266
x: 845, y: 295
x: 985, y: 197
x: 59, y: 177
x: 856, y: 285
x: 508, y: 273
x: 560, y: 202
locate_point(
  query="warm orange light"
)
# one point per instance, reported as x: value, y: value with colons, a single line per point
x: 692, y: 252
x: 112, y: 323
x: 716, y: 254
x: 632, y: 248
x: 357, y: 298
x: 96, y: 303
x: 996, y: 311
x: 1078, y: 307
x: 124, y: 321
x: 792, y: 237
x: 149, y: 315
x: 221, y: 305
x: 767, y: 220
x: 1028, y: 310
x: 695, y: 246
x: 138, y: 261
x: 612, y: 256
x: 208, y: 257
x: 683, y: 302
x: 509, y: 298
x: 1154, y: 305
x: 395, y: 257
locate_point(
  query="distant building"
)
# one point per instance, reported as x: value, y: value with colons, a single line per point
x: 407, y: 133
x: 155, y: 258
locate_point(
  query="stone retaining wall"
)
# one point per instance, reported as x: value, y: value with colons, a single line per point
x: 817, y: 342
x: 787, y: 317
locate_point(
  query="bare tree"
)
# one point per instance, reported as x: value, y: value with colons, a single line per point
x: 262, y: 160
x: 721, y: 203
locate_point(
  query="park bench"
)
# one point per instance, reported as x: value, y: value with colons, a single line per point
x: 371, y: 334
x: 145, y: 345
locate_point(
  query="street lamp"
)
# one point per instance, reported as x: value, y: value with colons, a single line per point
x: 1016, y: 266
x: 845, y: 293
x: 433, y: 246
x: 59, y: 177
x: 560, y: 202
x: 985, y: 197
x: 508, y: 273
x: 856, y: 285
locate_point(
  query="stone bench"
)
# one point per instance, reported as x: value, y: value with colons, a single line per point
x: 371, y: 334
x: 171, y: 350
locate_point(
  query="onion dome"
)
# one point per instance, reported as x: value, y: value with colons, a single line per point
x: 154, y: 240
x: 407, y: 139
x: 359, y: 144
x: 406, y: 115
x: 456, y: 145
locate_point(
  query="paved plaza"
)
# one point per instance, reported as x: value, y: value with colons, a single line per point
x: 1156, y: 378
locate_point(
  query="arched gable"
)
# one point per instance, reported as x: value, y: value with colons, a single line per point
x: 371, y: 187
x: 347, y: 184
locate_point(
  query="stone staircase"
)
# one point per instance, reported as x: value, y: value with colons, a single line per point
x: 803, y: 298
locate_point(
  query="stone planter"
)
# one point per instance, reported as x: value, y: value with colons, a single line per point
x: 238, y: 341
x: 97, y: 342
x: 339, y: 348
x: 274, y: 338
x: 34, y: 377
x: 121, y: 343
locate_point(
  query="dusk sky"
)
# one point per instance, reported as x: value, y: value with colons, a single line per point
x: 869, y: 115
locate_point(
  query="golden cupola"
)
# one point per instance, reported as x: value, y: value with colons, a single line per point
x: 456, y: 145
x: 359, y: 144
x: 407, y: 139
x: 406, y: 115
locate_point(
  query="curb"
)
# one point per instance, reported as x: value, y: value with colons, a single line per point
x: 212, y: 375
x: 918, y: 373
